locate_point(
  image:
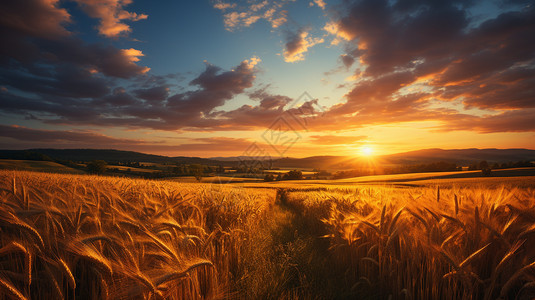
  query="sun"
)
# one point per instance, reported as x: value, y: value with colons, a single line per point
x: 366, y: 151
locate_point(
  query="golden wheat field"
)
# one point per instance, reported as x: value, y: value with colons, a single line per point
x: 91, y: 237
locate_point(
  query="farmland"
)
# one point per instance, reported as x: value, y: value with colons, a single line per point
x: 70, y: 236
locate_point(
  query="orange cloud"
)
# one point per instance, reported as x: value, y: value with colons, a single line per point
x: 111, y: 15
x: 247, y: 15
x: 222, y: 5
x: 132, y: 55
x: 335, y: 139
x: 319, y: 3
x: 297, y: 45
x: 334, y: 29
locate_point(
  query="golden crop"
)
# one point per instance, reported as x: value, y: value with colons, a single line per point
x: 429, y: 243
x: 64, y: 236
x: 79, y: 236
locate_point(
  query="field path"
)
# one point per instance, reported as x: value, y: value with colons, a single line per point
x: 300, y: 265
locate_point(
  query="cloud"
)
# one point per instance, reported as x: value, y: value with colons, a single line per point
x: 508, y: 121
x: 417, y: 58
x: 36, y: 18
x: 336, y: 139
x: 217, y: 144
x: 333, y: 28
x: 35, y: 138
x: 320, y: 3
x: 223, y: 6
x: 111, y: 14
x: 64, y: 81
x: 416, y: 61
x: 347, y: 60
x: 238, y: 16
x: 35, y: 39
x: 268, y: 101
x: 297, y: 44
x: 96, y: 101
x: 59, y: 136
x: 154, y: 94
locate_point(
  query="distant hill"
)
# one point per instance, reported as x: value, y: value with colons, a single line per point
x: 108, y: 155
x: 458, y: 156
x: 37, y: 166
x: 461, y: 156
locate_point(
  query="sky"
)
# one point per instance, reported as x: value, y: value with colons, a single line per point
x: 296, y: 78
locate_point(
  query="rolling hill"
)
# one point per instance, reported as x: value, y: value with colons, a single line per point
x: 459, y: 156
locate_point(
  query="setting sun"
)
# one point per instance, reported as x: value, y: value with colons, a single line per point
x: 366, y: 151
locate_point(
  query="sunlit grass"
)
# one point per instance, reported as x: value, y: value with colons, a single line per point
x: 80, y: 236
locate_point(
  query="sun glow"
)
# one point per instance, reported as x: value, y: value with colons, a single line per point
x: 366, y: 151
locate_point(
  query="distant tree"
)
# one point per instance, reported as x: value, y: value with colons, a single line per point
x: 96, y: 167
x: 485, y: 168
x: 197, y: 171
x: 269, y: 177
x: 293, y: 175
x: 279, y: 177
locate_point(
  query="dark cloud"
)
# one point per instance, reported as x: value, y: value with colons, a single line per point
x: 508, y: 121
x: 36, y: 18
x: 269, y: 101
x: 154, y: 94
x: 437, y: 47
x: 100, y: 57
x: 39, y: 135
x: 31, y: 138
x: 34, y: 38
x: 124, y: 108
x: 347, y: 60
x: 215, y: 88
x: 64, y: 80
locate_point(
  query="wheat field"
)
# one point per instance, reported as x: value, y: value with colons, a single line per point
x: 65, y: 237
x: 428, y: 243
x: 91, y: 237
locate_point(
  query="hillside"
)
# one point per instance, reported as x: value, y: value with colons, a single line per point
x: 109, y: 155
x: 459, y: 156
x: 38, y: 166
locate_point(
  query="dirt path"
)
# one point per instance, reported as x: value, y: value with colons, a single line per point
x: 293, y: 261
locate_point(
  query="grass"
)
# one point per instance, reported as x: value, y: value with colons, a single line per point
x: 81, y: 236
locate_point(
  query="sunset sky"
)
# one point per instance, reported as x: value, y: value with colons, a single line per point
x: 282, y: 78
